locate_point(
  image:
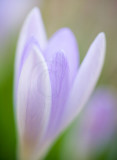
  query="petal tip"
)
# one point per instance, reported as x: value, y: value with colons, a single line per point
x: 35, y: 11
x: 103, y: 40
x: 66, y: 31
x: 100, y: 43
x: 102, y: 34
x: 101, y: 37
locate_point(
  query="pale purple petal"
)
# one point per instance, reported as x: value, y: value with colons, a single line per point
x: 61, y: 56
x: 94, y: 130
x: 86, y: 79
x: 60, y: 83
x: 64, y: 41
x: 101, y: 115
x: 32, y: 31
x: 33, y: 102
x: 59, y: 76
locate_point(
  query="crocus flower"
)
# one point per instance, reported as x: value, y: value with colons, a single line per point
x: 50, y: 87
x: 95, y: 129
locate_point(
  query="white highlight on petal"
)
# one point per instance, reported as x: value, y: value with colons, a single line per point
x: 86, y: 79
x: 33, y: 104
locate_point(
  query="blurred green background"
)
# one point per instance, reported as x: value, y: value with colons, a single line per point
x: 86, y: 19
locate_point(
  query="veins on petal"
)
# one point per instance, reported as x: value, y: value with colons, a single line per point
x: 60, y: 84
x: 58, y: 69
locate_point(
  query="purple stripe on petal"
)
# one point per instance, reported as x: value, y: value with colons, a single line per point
x: 60, y: 83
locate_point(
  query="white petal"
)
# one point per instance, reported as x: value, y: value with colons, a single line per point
x: 33, y: 103
x: 86, y: 79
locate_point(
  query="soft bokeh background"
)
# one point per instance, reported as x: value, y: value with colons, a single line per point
x: 86, y: 19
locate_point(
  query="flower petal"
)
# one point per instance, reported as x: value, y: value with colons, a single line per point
x: 64, y: 41
x: 101, y: 115
x: 60, y: 84
x: 86, y: 79
x: 61, y: 56
x: 94, y: 129
x: 33, y: 30
x: 33, y: 102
